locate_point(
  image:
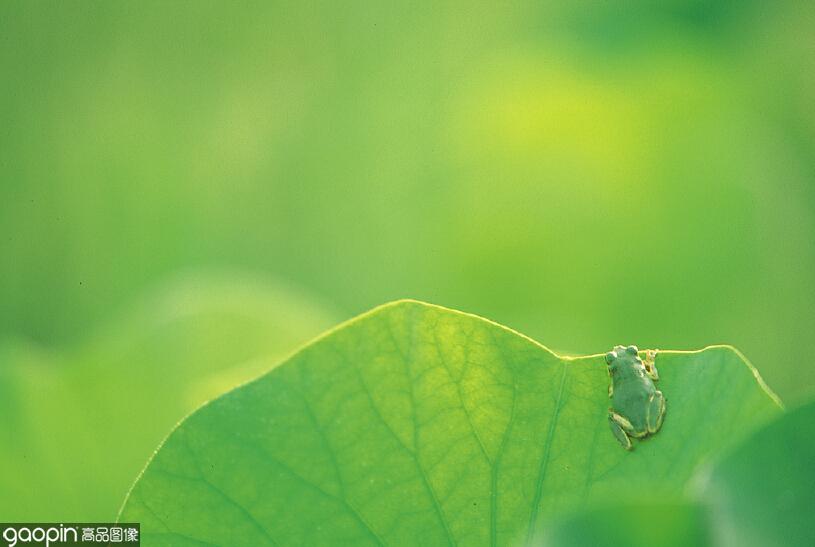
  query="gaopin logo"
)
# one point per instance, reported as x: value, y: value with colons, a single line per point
x: 39, y: 535
x: 68, y: 534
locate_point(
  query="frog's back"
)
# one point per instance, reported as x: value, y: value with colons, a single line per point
x: 633, y: 390
x: 630, y: 399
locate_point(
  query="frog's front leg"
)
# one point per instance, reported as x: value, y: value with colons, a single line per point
x: 650, y: 365
x: 655, y: 412
x: 619, y: 425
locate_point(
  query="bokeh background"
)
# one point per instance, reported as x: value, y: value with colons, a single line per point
x: 189, y: 190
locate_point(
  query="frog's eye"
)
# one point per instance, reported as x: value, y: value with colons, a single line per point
x: 632, y: 350
x: 610, y: 356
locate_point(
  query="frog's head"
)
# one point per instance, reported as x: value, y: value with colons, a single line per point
x: 620, y: 352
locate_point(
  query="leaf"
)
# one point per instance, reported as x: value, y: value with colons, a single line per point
x: 763, y: 493
x: 76, y: 427
x: 414, y: 424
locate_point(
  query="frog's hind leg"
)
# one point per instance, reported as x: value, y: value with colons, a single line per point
x: 655, y: 412
x: 618, y: 425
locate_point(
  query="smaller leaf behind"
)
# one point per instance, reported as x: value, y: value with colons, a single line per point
x: 763, y: 493
x: 644, y: 524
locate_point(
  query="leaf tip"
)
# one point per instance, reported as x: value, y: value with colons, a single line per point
x: 735, y: 352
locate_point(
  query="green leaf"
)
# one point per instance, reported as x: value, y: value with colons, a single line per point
x: 763, y: 493
x: 414, y: 424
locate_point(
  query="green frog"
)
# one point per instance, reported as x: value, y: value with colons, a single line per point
x: 637, y: 406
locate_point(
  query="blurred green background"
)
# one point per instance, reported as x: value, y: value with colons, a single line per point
x: 189, y: 187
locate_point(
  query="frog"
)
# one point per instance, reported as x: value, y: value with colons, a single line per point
x: 637, y: 406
